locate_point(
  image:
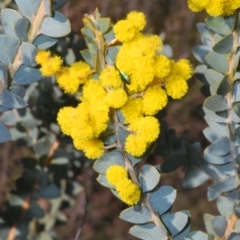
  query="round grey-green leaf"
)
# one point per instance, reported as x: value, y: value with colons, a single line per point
x: 175, y: 222
x: 49, y: 192
x: 220, y: 147
x: 148, y: 177
x: 9, y: 17
x: 197, y: 235
x: 28, y: 7
x: 224, y: 45
x: 219, y: 225
x: 29, y: 52
x: 218, y: 62
x: 56, y: 26
x: 137, y: 217
x: 194, y: 178
x: 220, y: 25
x: 103, y: 181
x: 200, y: 53
x: 225, y: 206
x: 21, y: 29
x: 162, y: 199
x: 9, y: 46
x: 111, y: 158
x: 26, y: 75
x: 147, y: 231
x: 44, y: 42
x: 11, y: 100
x: 4, y: 134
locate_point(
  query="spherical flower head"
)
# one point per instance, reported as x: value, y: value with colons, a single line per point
x: 230, y: 7
x: 110, y: 78
x: 132, y: 109
x: 115, y: 174
x: 51, y: 66
x: 147, y: 128
x: 82, y: 129
x: 66, y: 82
x: 162, y: 66
x: 215, y: 8
x: 93, y: 91
x: 116, y: 98
x: 138, y: 19
x: 93, y: 148
x: 80, y: 71
x: 42, y: 56
x: 99, y: 118
x: 183, y: 68
x: 135, y: 145
x: 154, y: 99
x: 64, y: 118
x: 176, y: 87
x: 198, y: 5
x: 124, y: 30
x: 128, y: 191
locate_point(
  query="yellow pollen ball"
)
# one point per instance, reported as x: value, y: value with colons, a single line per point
x: 93, y: 148
x: 116, y: 98
x: 198, y: 5
x: 154, y: 99
x: 51, y: 66
x: 162, y: 66
x: 176, y: 87
x: 110, y: 77
x: 135, y: 145
x: 183, y: 69
x: 132, y: 109
x: 115, y: 174
x: 128, y: 191
x: 138, y: 19
x: 42, y: 56
x: 124, y: 30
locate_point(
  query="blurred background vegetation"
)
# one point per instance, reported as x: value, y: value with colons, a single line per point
x: 177, y: 23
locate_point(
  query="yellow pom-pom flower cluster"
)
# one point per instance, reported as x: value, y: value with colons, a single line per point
x: 128, y: 191
x: 153, y: 77
x: 215, y: 7
x: 138, y: 85
x: 90, y: 118
x: 49, y: 64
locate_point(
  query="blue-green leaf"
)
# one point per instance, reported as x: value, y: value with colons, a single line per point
x: 220, y: 25
x: 9, y: 46
x: 9, y: 17
x: 111, y: 158
x: 175, y: 222
x: 26, y: 75
x: 198, y: 235
x: 29, y: 52
x: 44, y: 42
x: 216, y: 159
x: 49, y: 192
x: 224, y: 45
x: 219, y: 225
x: 103, y: 181
x: 162, y: 199
x: 220, y: 147
x: 200, y: 53
x: 28, y: 7
x: 216, y: 103
x: 147, y: 231
x: 11, y: 100
x: 225, y: 206
x: 136, y: 217
x: 194, y: 178
x: 56, y: 26
x: 148, y: 177
x: 4, y: 134
x: 218, y: 62
x: 21, y: 29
